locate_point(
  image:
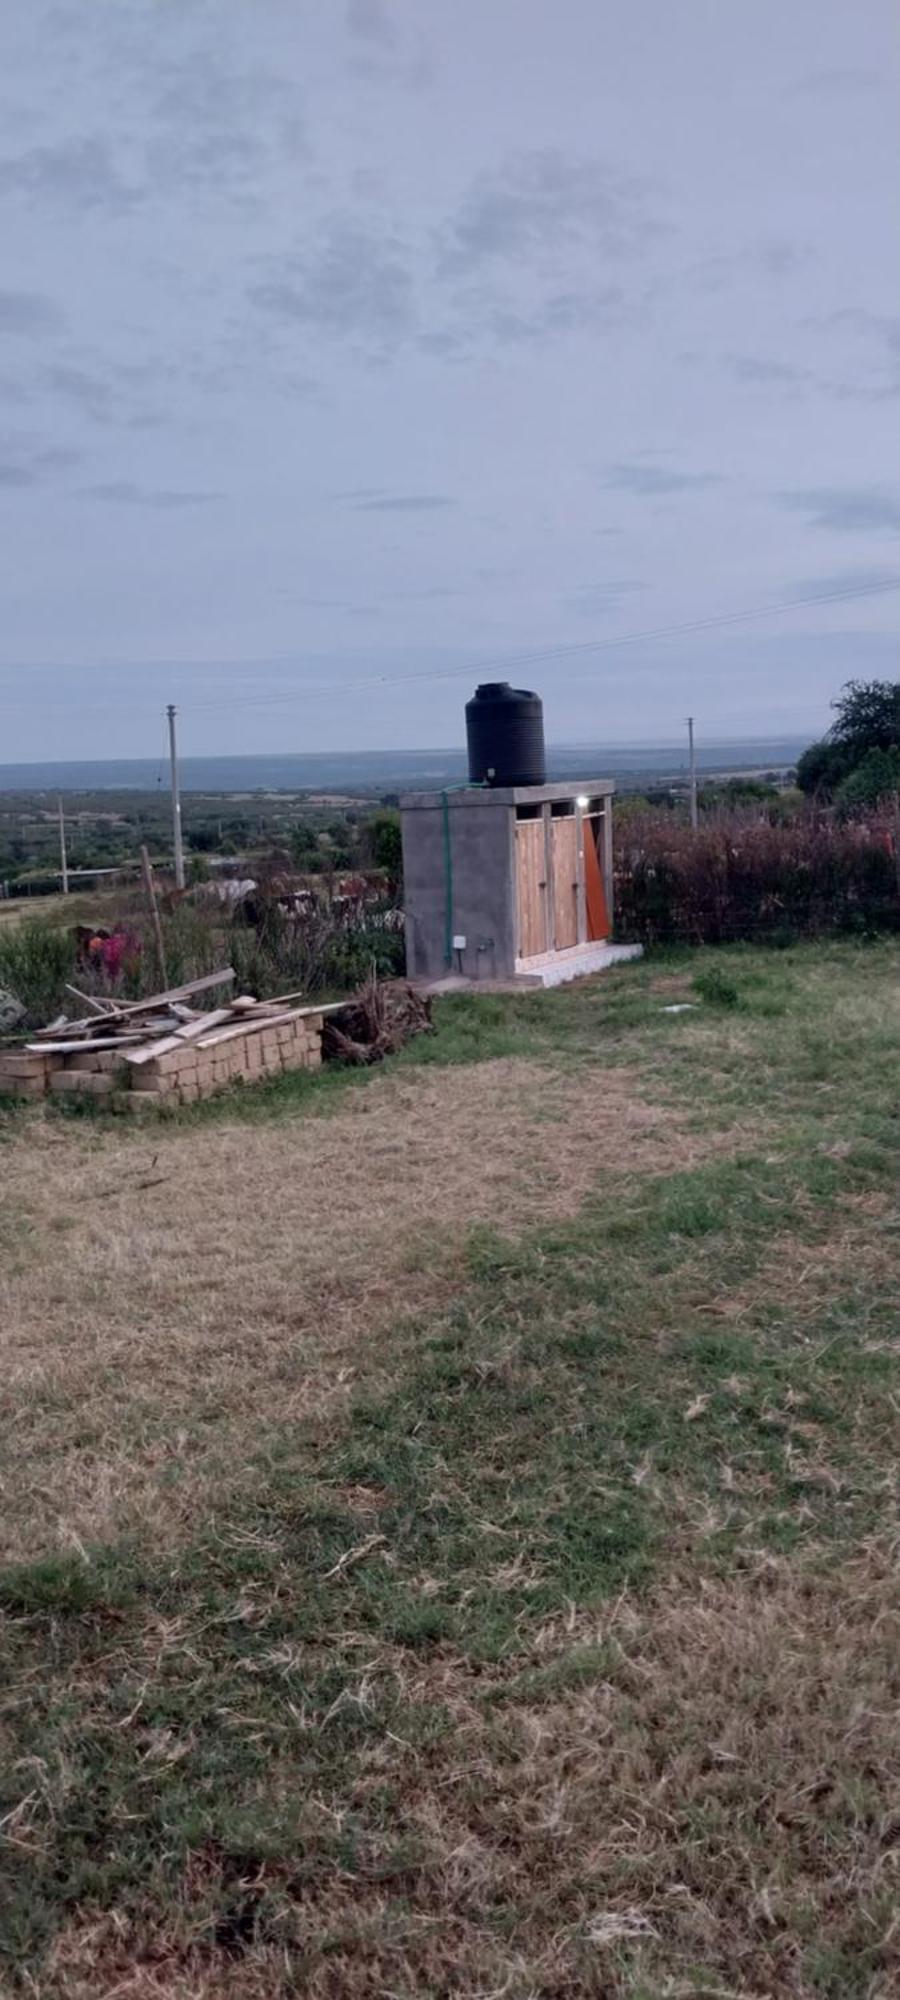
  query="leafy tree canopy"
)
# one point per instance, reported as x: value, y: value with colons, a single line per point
x: 866, y: 731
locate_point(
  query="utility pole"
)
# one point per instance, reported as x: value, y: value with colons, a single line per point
x: 176, y: 801
x: 64, y: 866
x: 690, y: 724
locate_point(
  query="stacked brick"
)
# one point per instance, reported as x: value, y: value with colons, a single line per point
x: 181, y: 1076
x: 177, y: 1076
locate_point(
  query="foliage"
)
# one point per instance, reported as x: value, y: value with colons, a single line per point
x: 867, y: 719
x: 36, y: 960
x: 321, y: 953
x: 714, y: 986
x: 305, y: 844
x: 387, y: 846
x: 868, y: 716
x: 742, y: 877
x: 876, y: 777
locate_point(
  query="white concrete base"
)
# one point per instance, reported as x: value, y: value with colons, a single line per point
x: 554, y: 968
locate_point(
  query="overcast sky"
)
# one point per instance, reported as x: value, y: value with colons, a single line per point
x: 345, y: 343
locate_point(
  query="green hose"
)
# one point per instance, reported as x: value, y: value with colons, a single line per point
x: 448, y: 887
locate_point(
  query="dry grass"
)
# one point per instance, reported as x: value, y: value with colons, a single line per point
x: 164, y: 1294
x: 703, y: 1811
x: 562, y: 1661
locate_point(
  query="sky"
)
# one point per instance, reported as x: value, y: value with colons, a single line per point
x: 352, y: 351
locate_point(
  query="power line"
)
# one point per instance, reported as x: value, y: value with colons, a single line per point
x: 480, y: 667
x: 562, y: 652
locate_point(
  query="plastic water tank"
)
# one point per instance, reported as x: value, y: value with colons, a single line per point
x: 505, y: 735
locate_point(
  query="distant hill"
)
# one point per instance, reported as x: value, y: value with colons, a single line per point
x: 384, y: 770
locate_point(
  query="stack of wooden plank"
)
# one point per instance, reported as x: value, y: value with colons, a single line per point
x: 163, y: 1048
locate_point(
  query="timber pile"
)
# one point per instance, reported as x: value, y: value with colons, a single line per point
x: 376, y: 1022
x: 163, y: 1050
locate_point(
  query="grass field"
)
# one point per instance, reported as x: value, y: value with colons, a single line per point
x: 447, y: 1512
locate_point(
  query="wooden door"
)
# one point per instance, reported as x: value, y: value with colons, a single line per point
x: 565, y: 881
x: 531, y: 883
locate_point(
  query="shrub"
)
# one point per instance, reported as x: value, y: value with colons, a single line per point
x: 876, y: 778
x: 739, y: 876
x: 36, y: 960
x: 322, y: 951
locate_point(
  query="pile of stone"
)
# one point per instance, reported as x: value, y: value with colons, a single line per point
x: 162, y: 1051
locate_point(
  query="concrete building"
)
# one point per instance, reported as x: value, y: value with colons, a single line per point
x: 509, y: 883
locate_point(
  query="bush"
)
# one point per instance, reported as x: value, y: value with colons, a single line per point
x: 36, y: 960
x: 876, y: 778
x: 742, y: 877
x: 320, y: 952
x: 387, y: 846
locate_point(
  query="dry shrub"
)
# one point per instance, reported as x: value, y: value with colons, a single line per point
x: 741, y: 876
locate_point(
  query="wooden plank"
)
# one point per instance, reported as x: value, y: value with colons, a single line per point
x: 178, y: 992
x: 80, y: 1047
x: 191, y: 1032
x: 565, y: 882
x: 531, y: 886
x: 96, y: 1006
x: 248, y: 1026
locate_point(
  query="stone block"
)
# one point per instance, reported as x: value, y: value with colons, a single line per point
x: 89, y: 1082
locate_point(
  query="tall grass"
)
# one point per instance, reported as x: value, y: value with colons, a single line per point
x: 324, y: 951
x: 319, y: 954
x: 36, y: 960
x: 739, y: 876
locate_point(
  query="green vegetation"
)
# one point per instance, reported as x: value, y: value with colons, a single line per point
x: 858, y: 762
x: 583, y: 1596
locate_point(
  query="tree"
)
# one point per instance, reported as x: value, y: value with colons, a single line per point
x: 387, y: 846
x: 877, y: 777
x: 304, y: 843
x: 867, y: 719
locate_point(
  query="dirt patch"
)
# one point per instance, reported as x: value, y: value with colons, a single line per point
x: 161, y: 1293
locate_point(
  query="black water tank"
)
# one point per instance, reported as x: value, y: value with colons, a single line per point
x: 505, y: 734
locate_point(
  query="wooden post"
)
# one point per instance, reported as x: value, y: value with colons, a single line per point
x: 549, y: 880
x: 580, y: 897
x: 606, y: 856
x: 64, y: 866
x: 147, y: 876
x: 693, y: 777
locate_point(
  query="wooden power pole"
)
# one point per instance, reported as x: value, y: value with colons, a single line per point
x: 176, y: 801
x: 690, y: 724
x: 63, y: 861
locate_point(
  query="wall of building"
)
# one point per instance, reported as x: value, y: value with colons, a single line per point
x: 481, y: 841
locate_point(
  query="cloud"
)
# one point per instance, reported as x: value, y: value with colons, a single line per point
x: 759, y: 371
x: 24, y: 463
x: 217, y: 129
x: 845, y: 580
x: 124, y: 493
x: 404, y: 503
x: 75, y: 174
x: 29, y: 313
x: 773, y: 258
x: 836, y: 82
x: 539, y: 203
x: 369, y: 21
x: 849, y: 509
x: 650, y: 481
x: 882, y: 329
x: 351, y: 282
x: 594, y: 600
